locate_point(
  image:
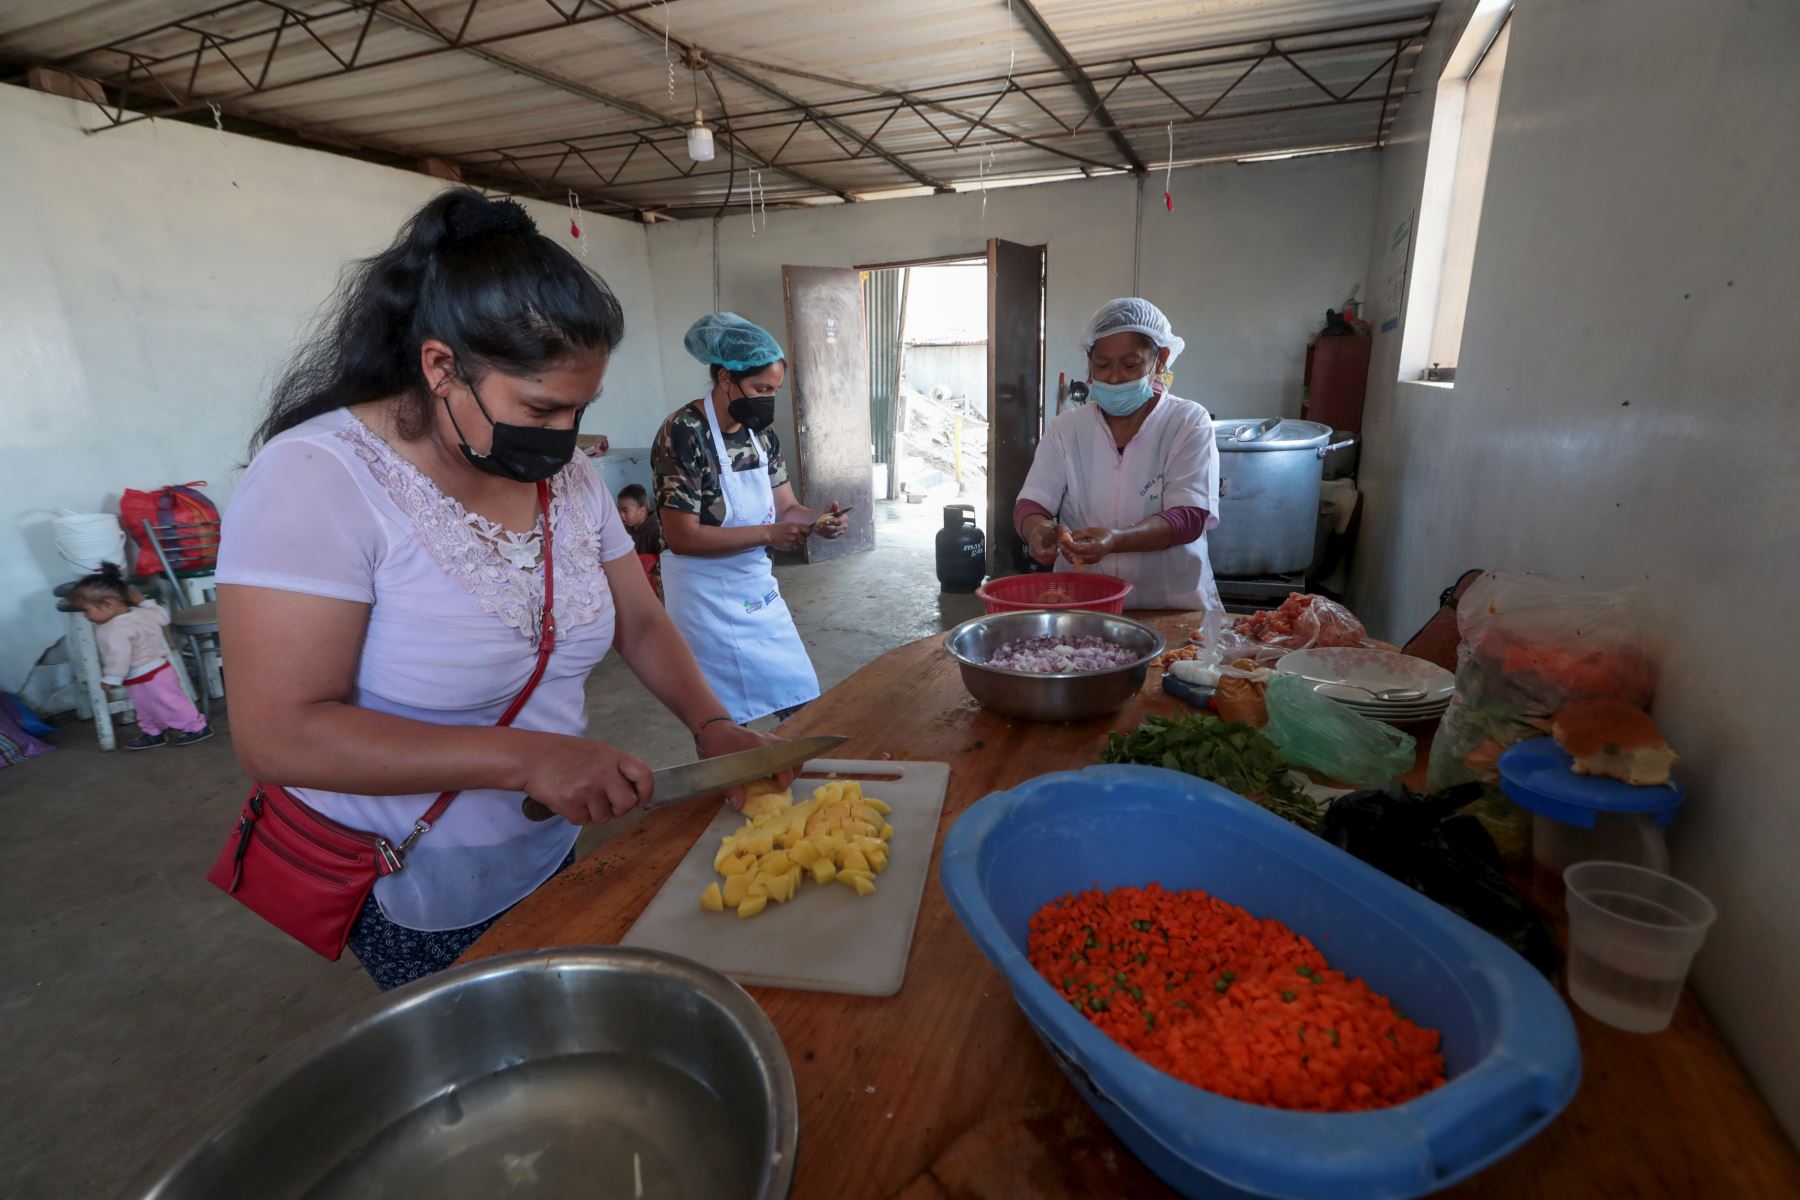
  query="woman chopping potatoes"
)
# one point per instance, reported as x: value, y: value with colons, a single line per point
x: 1131, y: 481
x: 415, y: 582
x: 723, y: 492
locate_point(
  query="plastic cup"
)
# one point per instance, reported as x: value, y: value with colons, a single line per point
x: 1633, y: 933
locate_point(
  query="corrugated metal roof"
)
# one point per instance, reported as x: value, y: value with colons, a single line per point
x: 825, y: 98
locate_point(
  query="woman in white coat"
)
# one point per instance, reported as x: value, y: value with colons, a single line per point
x: 1129, y: 482
x: 723, y: 496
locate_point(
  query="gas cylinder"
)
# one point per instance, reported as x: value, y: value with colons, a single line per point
x: 961, y: 550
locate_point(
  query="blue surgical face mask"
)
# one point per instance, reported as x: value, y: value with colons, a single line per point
x: 1121, y: 399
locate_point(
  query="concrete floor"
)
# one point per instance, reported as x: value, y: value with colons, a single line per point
x: 131, y: 991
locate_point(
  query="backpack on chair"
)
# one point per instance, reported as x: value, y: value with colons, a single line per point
x: 169, y: 508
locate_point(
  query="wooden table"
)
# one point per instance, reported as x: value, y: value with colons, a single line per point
x: 942, y: 1091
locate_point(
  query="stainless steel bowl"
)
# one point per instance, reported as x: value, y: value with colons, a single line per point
x: 551, y: 1073
x: 1074, y: 697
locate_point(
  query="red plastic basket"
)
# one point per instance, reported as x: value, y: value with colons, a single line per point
x: 1086, y: 590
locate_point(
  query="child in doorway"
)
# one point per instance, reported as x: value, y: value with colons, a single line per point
x: 133, y: 653
x: 646, y: 531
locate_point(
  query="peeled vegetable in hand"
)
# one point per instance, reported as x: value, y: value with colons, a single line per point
x: 840, y: 834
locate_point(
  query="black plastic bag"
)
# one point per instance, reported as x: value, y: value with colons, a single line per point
x: 1426, y: 844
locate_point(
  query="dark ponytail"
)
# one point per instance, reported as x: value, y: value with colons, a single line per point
x: 471, y: 272
x: 108, y: 581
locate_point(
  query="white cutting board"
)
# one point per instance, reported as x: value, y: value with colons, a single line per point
x: 827, y: 938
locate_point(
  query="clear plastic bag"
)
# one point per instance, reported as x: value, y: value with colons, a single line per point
x: 1317, y: 732
x: 1302, y: 622
x: 1531, y: 646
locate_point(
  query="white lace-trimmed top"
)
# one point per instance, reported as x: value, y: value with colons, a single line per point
x: 329, y: 509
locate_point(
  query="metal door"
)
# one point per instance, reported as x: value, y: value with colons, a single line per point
x: 828, y: 364
x: 1015, y: 390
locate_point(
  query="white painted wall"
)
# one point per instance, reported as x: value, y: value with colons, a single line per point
x: 1624, y: 413
x: 152, y: 280
x: 1245, y: 266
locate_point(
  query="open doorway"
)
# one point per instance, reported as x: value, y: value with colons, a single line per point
x: 928, y: 347
x: 918, y: 385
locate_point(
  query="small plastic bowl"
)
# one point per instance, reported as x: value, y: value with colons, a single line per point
x: 1085, y: 590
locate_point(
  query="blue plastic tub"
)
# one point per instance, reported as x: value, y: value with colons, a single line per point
x: 1509, y: 1043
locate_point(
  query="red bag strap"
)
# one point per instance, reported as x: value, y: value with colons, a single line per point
x: 546, y: 644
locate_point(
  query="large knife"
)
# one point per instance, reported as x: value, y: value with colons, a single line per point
x: 711, y: 775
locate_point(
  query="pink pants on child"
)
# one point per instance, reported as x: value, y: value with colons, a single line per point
x: 161, y: 704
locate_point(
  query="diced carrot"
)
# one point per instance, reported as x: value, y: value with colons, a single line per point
x: 1229, y: 1002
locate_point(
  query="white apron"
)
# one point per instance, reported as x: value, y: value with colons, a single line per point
x: 1080, y: 475
x: 729, y: 608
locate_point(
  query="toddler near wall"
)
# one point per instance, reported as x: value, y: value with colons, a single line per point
x: 134, y: 653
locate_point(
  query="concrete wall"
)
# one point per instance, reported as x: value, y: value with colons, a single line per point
x: 151, y: 281
x: 961, y: 367
x: 1245, y: 266
x: 1623, y: 414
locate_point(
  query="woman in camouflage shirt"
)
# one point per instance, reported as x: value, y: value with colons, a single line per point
x: 723, y: 494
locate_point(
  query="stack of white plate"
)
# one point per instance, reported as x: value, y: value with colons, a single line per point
x: 1349, y: 675
x: 86, y: 540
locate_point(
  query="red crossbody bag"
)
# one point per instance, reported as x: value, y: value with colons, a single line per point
x: 307, y: 874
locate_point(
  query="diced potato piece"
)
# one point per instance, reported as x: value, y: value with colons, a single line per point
x: 878, y: 860
x: 779, y: 891
x: 852, y: 789
x: 864, y: 885
x: 853, y: 860
x: 751, y: 906
x: 887, y: 831
x: 711, y: 899
x: 759, y: 844
x: 879, y: 806
x: 773, y: 863
x: 828, y: 793
x: 863, y: 812
x: 759, y: 885
x: 725, y: 852
x: 803, y: 853
x: 790, y: 835
x: 823, y: 870
x: 856, y: 828
x: 736, y: 888
x: 735, y: 865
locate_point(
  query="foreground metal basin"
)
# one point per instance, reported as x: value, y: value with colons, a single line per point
x: 554, y: 1073
x: 1074, y: 697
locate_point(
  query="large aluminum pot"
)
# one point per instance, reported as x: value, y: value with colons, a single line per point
x: 552, y: 1073
x: 1074, y: 697
x: 1269, y: 473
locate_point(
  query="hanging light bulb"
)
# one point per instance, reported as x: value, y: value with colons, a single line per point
x: 700, y: 139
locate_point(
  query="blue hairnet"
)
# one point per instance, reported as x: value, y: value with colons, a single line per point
x: 729, y: 341
x: 1132, y: 314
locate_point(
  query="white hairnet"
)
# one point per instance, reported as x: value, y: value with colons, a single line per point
x: 1132, y: 314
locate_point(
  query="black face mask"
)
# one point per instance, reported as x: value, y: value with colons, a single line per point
x: 758, y: 412
x: 527, y: 453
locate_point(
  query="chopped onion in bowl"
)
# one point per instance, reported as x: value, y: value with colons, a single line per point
x: 1062, y: 656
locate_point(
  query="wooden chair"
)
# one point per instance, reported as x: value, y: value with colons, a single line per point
x: 198, y: 623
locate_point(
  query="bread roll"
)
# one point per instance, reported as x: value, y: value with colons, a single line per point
x: 1611, y: 738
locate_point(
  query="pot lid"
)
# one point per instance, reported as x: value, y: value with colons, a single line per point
x: 1537, y: 775
x: 1270, y: 433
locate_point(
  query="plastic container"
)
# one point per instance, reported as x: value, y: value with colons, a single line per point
x: 1576, y: 818
x: 961, y: 550
x: 1633, y: 933
x: 1084, y: 589
x: 1509, y: 1041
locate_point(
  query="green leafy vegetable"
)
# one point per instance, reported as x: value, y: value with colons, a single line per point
x: 1229, y: 753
